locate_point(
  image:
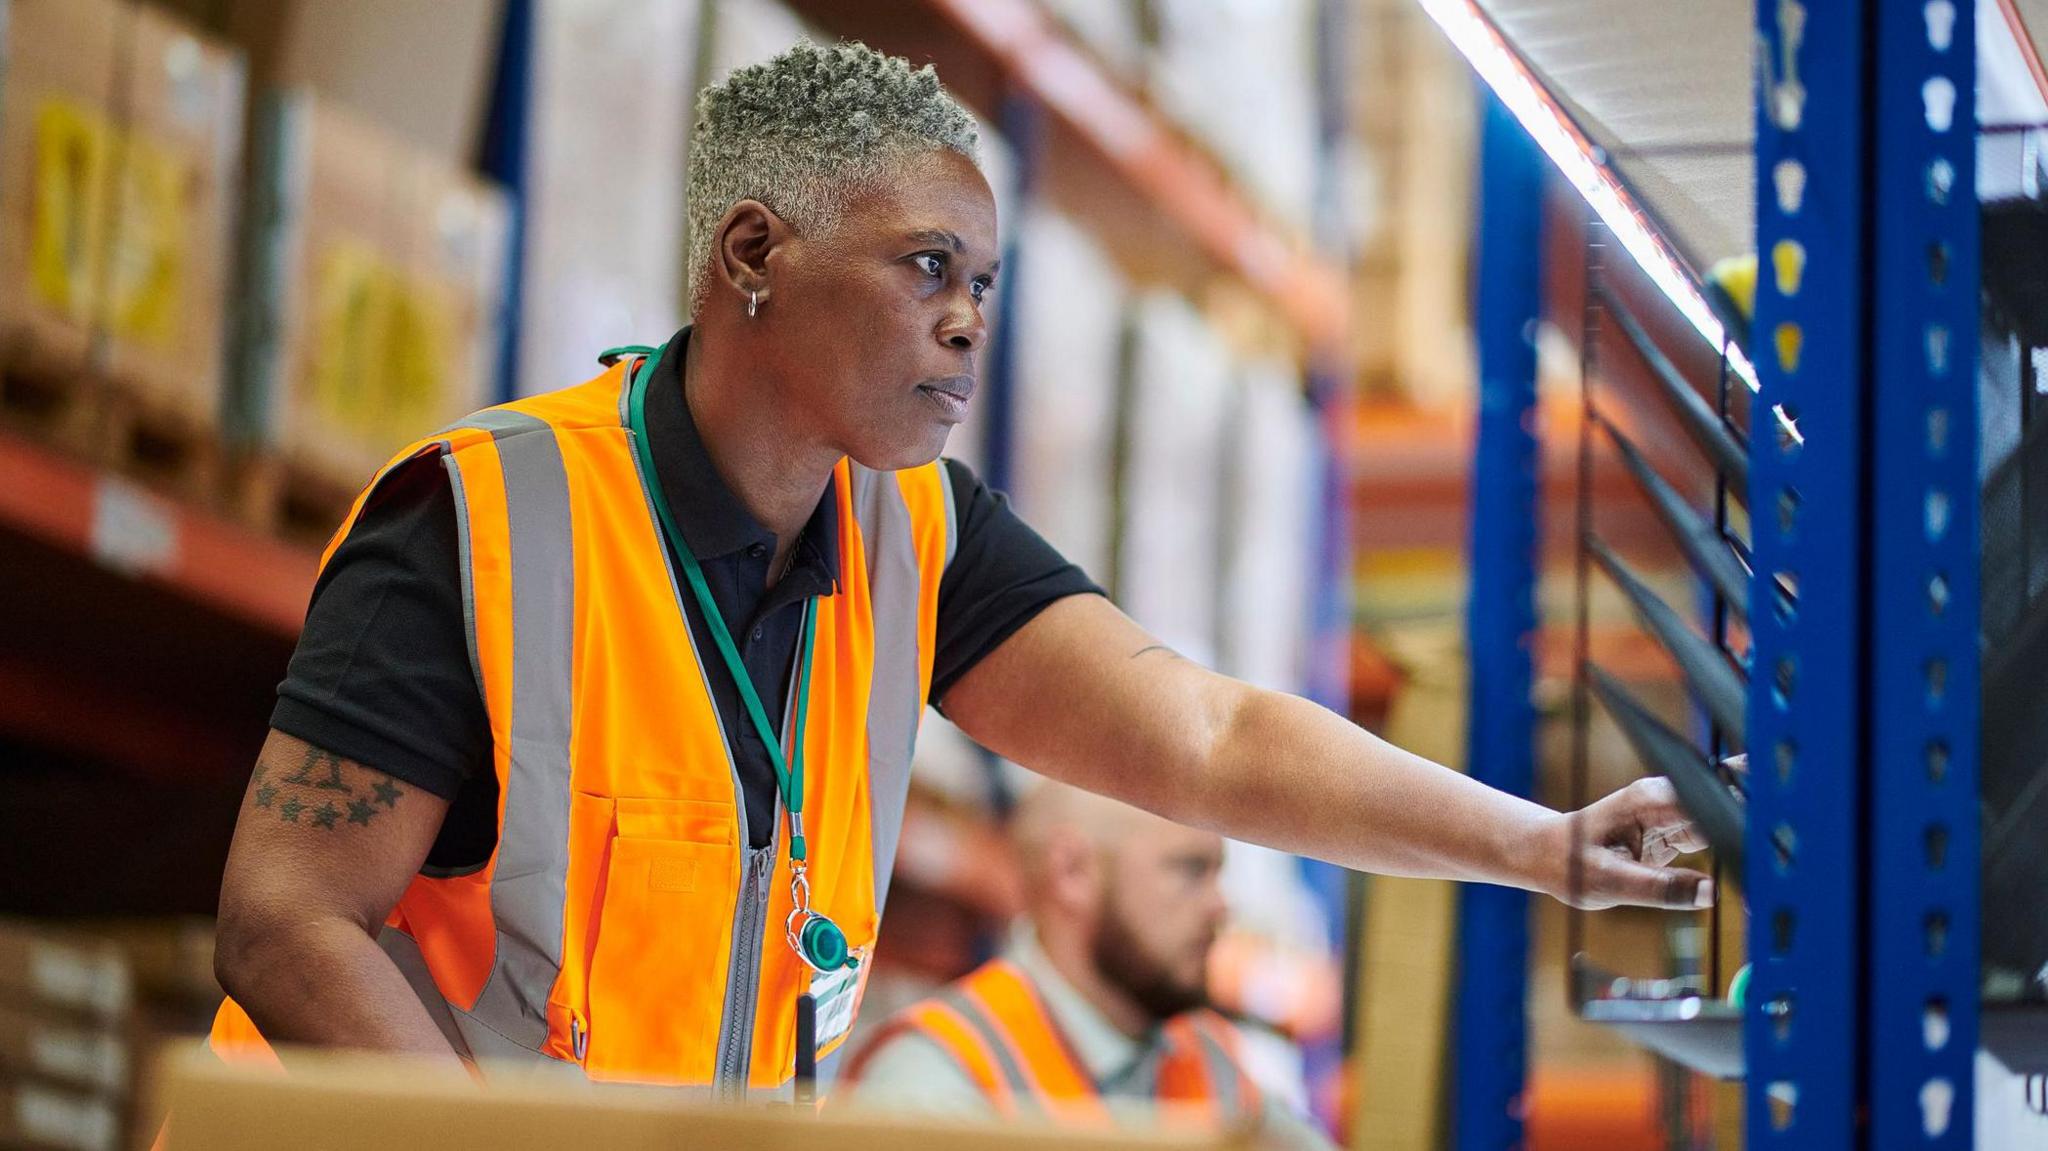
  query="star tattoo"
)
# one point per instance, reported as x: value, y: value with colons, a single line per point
x: 360, y: 812
x: 264, y: 795
x: 387, y: 793
x: 290, y: 809
x: 325, y: 817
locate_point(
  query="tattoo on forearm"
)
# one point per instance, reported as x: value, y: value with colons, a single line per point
x: 1149, y: 648
x: 317, y: 794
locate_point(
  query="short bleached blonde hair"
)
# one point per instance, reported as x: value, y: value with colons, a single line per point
x: 807, y: 130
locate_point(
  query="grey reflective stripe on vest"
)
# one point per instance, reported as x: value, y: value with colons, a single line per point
x: 1022, y: 1087
x: 530, y: 880
x: 462, y: 566
x: 1222, y: 1071
x: 405, y: 955
x: 894, y: 703
x: 952, y: 512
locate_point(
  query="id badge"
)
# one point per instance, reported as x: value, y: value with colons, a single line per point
x: 838, y: 995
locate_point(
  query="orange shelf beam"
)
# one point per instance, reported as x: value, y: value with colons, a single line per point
x: 188, y: 551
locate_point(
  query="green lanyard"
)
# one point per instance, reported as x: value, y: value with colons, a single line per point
x: 789, y: 772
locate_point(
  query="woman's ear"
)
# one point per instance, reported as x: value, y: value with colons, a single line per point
x: 747, y: 237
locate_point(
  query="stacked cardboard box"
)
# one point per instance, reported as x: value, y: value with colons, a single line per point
x: 56, y: 174
x: 83, y: 1011
x: 170, y: 244
x: 376, y: 302
x: 120, y: 136
x: 66, y: 1057
x: 1260, y: 121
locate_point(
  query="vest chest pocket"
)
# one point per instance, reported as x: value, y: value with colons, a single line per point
x: 663, y: 928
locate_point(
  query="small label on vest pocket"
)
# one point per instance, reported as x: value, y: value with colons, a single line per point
x: 836, y: 993
x: 672, y: 875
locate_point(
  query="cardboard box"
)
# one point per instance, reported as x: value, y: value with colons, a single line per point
x: 170, y: 960
x: 60, y: 1049
x: 56, y: 173
x: 48, y: 970
x: 421, y: 71
x: 85, y: 1009
x: 444, y: 353
x: 170, y: 241
x: 380, y: 296
x: 331, y: 1103
x: 41, y: 1117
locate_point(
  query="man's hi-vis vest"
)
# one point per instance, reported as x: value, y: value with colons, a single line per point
x: 622, y: 923
x: 995, y: 1025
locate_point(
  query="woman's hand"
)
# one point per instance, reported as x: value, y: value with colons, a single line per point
x: 1618, y: 851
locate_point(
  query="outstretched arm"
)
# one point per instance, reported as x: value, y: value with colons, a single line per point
x: 1084, y: 695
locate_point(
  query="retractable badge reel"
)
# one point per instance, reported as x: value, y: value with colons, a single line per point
x: 817, y: 940
x: 823, y: 947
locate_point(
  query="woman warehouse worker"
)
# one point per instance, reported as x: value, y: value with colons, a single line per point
x: 594, y: 748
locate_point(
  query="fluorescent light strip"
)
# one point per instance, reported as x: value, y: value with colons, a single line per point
x: 1480, y: 43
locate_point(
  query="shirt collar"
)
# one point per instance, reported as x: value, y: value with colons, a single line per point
x: 713, y: 520
x: 1106, y: 1052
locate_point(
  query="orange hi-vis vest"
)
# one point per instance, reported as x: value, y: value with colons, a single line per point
x: 995, y: 1025
x: 622, y: 923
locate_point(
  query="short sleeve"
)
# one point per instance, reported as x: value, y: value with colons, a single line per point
x: 1002, y: 575
x: 382, y: 672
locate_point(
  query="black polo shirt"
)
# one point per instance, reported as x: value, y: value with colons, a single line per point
x: 382, y: 674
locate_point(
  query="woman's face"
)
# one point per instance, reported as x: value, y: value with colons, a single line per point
x: 879, y: 320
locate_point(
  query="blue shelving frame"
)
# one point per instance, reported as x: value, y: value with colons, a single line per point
x: 1810, y: 526
x: 1862, y: 861
x: 1925, y: 548
x: 1490, y: 1029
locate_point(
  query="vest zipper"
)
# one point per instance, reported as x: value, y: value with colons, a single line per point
x: 750, y: 925
x: 743, y: 982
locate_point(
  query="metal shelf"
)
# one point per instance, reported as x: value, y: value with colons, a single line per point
x: 1705, y: 1035
x: 194, y: 554
x: 1702, y: 1034
x: 141, y: 632
x: 1861, y: 873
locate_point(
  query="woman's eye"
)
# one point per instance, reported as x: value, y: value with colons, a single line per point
x: 980, y: 289
x: 932, y: 264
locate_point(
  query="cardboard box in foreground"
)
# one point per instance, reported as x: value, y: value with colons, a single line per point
x: 340, y: 1103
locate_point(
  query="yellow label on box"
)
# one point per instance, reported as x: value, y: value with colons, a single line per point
x: 146, y: 273
x: 352, y: 304
x: 74, y: 146
x: 417, y: 356
x: 382, y: 366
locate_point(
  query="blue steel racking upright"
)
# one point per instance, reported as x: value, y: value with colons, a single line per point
x: 1863, y: 869
x: 1810, y: 520
x: 1490, y: 1032
x: 1925, y: 551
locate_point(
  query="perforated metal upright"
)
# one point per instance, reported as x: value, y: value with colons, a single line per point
x: 1804, y: 856
x: 1862, y: 871
x: 1923, y: 847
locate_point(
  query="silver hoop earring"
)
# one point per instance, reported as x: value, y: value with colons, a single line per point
x: 753, y: 303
